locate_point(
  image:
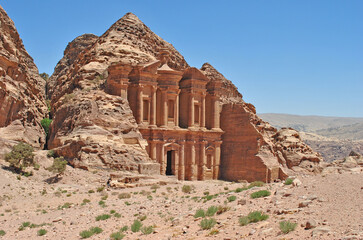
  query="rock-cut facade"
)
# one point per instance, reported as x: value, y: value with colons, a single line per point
x: 127, y: 100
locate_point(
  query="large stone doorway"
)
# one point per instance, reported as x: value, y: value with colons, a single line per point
x: 169, y: 163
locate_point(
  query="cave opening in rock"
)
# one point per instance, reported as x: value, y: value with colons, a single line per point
x: 169, y: 162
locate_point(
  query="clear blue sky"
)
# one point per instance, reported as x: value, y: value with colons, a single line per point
x: 298, y: 57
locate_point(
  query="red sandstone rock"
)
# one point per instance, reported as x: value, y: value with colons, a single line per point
x: 129, y: 61
x: 22, y: 91
x: 97, y: 130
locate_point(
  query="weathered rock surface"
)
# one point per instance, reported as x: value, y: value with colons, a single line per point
x: 77, y: 90
x: 294, y: 153
x: 127, y: 41
x: 92, y: 114
x: 22, y: 91
x: 71, y: 53
x: 94, y: 129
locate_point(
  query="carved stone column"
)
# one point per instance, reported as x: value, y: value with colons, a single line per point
x: 215, y: 112
x: 152, y: 150
x: 217, y: 161
x: 176, y: 163
x: 181, y: 175
x: 202, y: 161
x: 176, y: 110
x: 193, y: 167
x: 202, y: 120
x: 191, y: 111
x: 153, y: 107
x: 162, y: 159
x: 164, y: 109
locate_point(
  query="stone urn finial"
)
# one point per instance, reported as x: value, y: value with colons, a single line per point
x: 164, y: 55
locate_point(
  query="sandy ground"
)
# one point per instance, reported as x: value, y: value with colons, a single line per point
x: 334, y: 202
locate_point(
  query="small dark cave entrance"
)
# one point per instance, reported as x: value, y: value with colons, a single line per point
x: 169, y: 162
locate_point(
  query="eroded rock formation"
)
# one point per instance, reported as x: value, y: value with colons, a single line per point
x: 94, y: 125
x: 128, y: 100
x: 128, y: 41
x: 22, y: 91
x: 293, y: 152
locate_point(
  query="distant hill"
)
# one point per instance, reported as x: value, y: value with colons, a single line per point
x: 333, y: 127
x: 332, y: 137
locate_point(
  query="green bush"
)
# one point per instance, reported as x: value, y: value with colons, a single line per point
x: 252, y: 217
x: 86, y: 234
x: 124, y: 228
x: 262, y: 193
x: 103, y: 217
x: 211, y: 211
x: 147, y: 230
x: 199, y: 213
x: 25, y: 224
x: 46, y: 124
x: 66, y: 205
x: 287, y: 226
x: 186, y: 188
x: 2, y: 233
x: 240, y: 190
x: 207, y: 223
x: 59, y: 166
x: 231, y: 198
x: 288, y: 181
x: 135, y: 227
x: 243, y: 221
x: 50, y: 153
x: 90, y: 232
x: 21, y: 156
x: 96, y: 230
x: 257, y: 216
x: 41, y: 232
x: 117, y: 236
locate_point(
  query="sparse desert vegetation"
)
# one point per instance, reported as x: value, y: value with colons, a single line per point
x: 78, y: 207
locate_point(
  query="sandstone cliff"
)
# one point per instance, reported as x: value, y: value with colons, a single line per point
x: 22, y: 91
x: 90, y: 126
x: 94, y: 129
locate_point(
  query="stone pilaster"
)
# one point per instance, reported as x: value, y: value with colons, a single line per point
x: 181, y: 175
x: 202, y: 161
x: 202, y: 120
x: 191, y: 111
x: 217, y: 158
x: 153, y: 107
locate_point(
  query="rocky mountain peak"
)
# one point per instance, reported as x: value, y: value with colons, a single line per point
x: 131, y: 18
x: 212, y: 73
